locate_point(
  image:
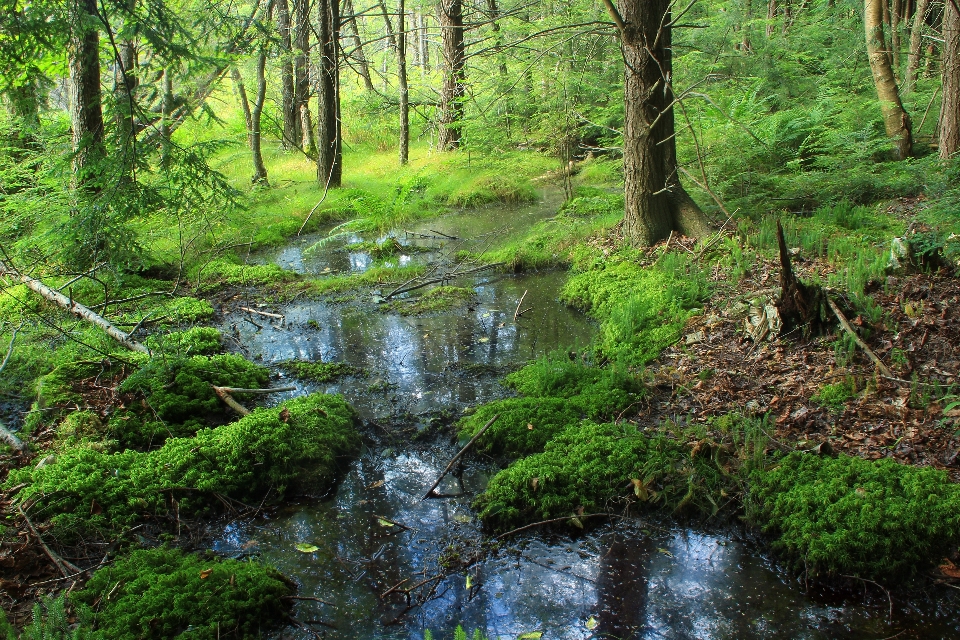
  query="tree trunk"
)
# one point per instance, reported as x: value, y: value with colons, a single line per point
x: 86, y: 111
x: 423, y: 42
x: 301, y: 67
x: 771, y: 16
x: 362, y: 66
x: 259, y: 170
x: 454, y: 60
x: 494, y: 12
x: 329, y: 149
x: 404, y: 89
x: 125, y: 87
x: 656, y: 203
x: 895, y: 11
x: 950, y: 104
x: 244, y: 103
x: 895, y: 118
x: 166, y: 108
x: 291, y: 118
x: 916, y: 40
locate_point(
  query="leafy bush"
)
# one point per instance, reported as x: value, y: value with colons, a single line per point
x: 849, y: 516
x: 163, y: 593
x: 294, y: 446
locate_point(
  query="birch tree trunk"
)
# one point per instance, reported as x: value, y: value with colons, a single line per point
x: 454, y: 62
x: 950, y: 103
x: 895, y: 118
x: 916, y: 46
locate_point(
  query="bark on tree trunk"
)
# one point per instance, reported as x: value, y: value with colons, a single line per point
x: 259, y: 170
x: 87, y: 107
x: 950, y: 103
x: 404, y: 89
x: 895, y: 118
x: 362, y: 66
x: 125, y: 83
x: 291, y: 118
x: 301, y: 66
x: 916, y: 39
x: 895, y: 12
x: 244, y: 102
x: 166, y: 108
x: 656, y: 203
x: 771, y: 15
x: 454, y: 61
x: 423, y: 42
x: 329, y: 150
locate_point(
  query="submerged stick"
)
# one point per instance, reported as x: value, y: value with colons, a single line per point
x: 262, y: 313
x: 863, y: 345
x: 230, y: 401
x: 551, y: 521
x: 75, y: 308
x: 517, y: 312
x: 457, y: 457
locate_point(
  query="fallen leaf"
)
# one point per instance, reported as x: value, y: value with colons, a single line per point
x: 484, y: 339
x: 529, y: 426
x: 205, y: 574
x: 469, y: 582
x: 575, y: 521
x: 385, y: 523
x: 592, y: 623
x: 949, y: 569
x: 665, y: 552
x: 534, y: 482
x: 285, y: 415
x: 306, y: 547
x: 530, y: 635
x: 378, y: 483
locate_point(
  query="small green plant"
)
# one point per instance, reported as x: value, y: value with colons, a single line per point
x: 320, y: 372
x: 834, y: 396
x: 166, y: 593
x: 50, y: 622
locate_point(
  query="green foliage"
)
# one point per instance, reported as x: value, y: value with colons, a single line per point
x: 834, y: 396
x: 320, y: 371
x: 592, y: 202
x: 642, y: 310
x: 591, y: 468
x: 294, y: 446
x: 525, y: 425
x: 50, y: 622
x: 166, y: 593
x: 849, y: 516
x: 203, y: 341
x: 221, y: 272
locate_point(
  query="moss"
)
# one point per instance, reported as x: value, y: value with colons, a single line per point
x: 320, y: 371
x: 592, y: 203
x: 221, y: 271
x: 849, y: 516
x: 525, y: 425
x: 294, y: 446
x: 378, y: 275
x: 593, y: 468
x: 601, y: 392
x: 194, y: 341
x: 833, y: 396
x: 163, y: 593
x: 437, y: 299
x: 642, y: 309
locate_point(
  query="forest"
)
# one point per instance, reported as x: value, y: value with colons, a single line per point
x: 479, y: 319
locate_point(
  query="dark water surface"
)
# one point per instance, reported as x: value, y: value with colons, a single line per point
x: 628, y: 579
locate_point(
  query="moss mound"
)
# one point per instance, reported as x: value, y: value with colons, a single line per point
x: 601, y: 392
x: 163, y: 593
x: 293, y: 446
x: 642, y: 309
x: 320, y: 371
x: 596, y: 468
x: 849, y: 516
x: 525, y: 425
x: 204, y: 341
x: 178, y: 390
x: 437, y: 299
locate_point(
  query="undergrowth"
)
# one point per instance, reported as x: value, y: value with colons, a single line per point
x: 320, y: 371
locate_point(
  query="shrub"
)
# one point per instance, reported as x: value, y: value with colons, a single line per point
x: 849, y: 516
x: 163, y: 593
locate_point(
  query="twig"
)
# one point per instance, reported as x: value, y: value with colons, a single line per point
x: 423, y: 582
x: 846, y: 325
x: 61, y: 564
x: 440, y: 279
x: 137, y: 326
x: 239, y: 390
x: 889, y: 599
x: 310, y: 598
x: 262, y: 313
x: 443, y: 234
x: 543, y: 522
x: 326, y: 190
x: 517, y: 312
x: 460, y: 453
x: 230, y: 402
x: 393, y: 588
x: 300, y: 625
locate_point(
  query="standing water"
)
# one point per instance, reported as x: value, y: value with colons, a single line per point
x: 359, y: 551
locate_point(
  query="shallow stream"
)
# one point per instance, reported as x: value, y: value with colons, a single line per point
x: 628, y: 579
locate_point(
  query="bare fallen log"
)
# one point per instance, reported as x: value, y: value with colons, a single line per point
x: 75, y: 308
x: 7, y: 436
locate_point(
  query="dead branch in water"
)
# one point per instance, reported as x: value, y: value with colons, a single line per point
x: 517, y: 312
x: 230, y: 401
x: 263, y: 313
x: 439, y: 279
x: 457, y: 457
x: 264, y: 391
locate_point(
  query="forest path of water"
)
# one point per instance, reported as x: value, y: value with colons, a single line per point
x: 624, y: 579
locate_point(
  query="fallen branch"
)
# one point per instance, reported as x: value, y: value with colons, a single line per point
x: 239, y: 390
x: 230, y: 402
x: 263, y: 313
x: 394, y: 588
x: 846, y: 325
x: 551, y: 521
x: 443, y: 234
x: 517, y: 312
x: 441, y: 279
x: 75, y: 308
x: 310, y: 598
x: 460, y: 453
x: 7, y: 436
x: 61, y: 564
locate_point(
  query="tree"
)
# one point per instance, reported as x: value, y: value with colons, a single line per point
x: 363, y: 68
x: 895, y: 118
x: 86, y: 113
x: 329, y: 145
x: 301, y: 72
x: 454, y: 62
x: 291, y: 136
x: 656, y: 202
x: 950, y: 103
x: 404, y: 87
x: 916, y: 44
